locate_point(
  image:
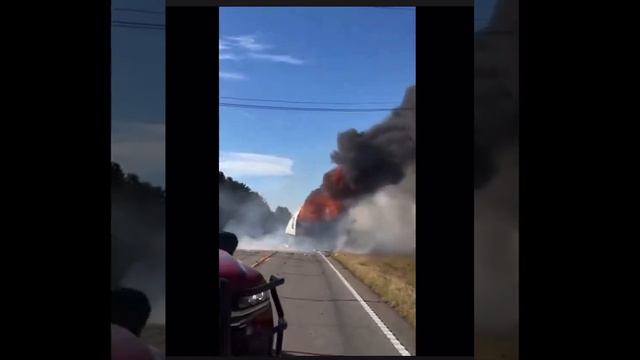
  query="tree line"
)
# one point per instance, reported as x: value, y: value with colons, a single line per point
x: 240, y: 207
x: 137, y: 222
x: 245, y: 211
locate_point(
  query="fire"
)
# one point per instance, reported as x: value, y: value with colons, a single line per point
x: 335, y: 183
x: 320, y: 206
x: 325, y: 203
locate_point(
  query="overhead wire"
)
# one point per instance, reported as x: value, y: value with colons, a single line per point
x: 315, y: 109
x: 307, y: 102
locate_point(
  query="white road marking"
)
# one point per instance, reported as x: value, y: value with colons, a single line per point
x: 376, y: 319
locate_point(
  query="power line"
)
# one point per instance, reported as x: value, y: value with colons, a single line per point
x: 119, y: 22
x: 307, y: 102
x: 162, y: 12
x: 288, y: 108
x: 139, y: 11
x: 137, y: 27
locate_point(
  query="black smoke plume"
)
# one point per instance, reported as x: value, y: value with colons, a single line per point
x: 496, y: 174
x: 379, y: 156
x: 496, y: 91
x: 379, y: 167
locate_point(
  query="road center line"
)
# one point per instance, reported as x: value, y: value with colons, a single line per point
x: 265, y: 258
x: 385, y: 330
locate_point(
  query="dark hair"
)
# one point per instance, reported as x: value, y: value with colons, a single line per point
x: 130, y: 309
x: 228, y: 242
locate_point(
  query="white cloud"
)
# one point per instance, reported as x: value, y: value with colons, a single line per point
x: 247, y: 164
x: 232, y: 76
x: 246, y: 42
x: 248, y: 46
x: 228, y: 57
x: 277, y: 58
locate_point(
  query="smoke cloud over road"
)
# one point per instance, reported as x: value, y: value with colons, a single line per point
x: 384, y: 221
x: 138, y: 238
x: 496, y: 173
x: 367, y: 202
x: 138, y: 253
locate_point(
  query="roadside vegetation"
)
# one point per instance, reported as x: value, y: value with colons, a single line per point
x: 392, y: 277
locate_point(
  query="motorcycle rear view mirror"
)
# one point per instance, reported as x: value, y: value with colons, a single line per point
x: 228, y: 242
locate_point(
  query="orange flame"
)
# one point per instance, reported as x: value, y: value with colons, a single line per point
x: 320, y: 206
x: 325, y: 203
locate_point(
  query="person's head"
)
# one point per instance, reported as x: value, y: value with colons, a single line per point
x: 130, y: 309
x: 228, y: 242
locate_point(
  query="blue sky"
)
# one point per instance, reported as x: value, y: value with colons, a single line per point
x: 305, y: 54
x: 137, y: 91
x: 300, y: 54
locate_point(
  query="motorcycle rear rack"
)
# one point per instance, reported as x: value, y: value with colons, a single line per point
x: 226, y: 301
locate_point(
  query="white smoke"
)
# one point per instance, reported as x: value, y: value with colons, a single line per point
x: 148, y: 276
x: 251, y: 222
x: 384, y: 221
x: 279, y: 241
x: 496, y: 251
x: 138, y: 254
x: 496, y: 192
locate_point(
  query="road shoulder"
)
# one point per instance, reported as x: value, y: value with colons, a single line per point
x: 400, y: 328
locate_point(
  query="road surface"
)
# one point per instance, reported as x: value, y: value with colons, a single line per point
x: 325, y: 317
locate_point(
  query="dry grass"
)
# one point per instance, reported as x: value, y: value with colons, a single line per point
x: 392, y: 277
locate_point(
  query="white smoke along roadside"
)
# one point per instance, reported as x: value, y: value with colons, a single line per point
x: 277, y: 241
x: 249, y: 223
x: 148, y: 277
x: 138, y: 253
x: 496, y: 252
x: 384, y: 221
x: 284, y: 239
x: 247, y: 218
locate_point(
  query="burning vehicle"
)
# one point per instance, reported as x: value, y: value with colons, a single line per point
x: 246, y: 315
x: 320, y: 215
x: 366, y: 161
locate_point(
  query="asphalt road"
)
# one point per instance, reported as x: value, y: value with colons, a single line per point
x: 324, y: 315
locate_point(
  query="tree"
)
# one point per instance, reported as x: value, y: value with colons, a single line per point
x: 282, y: 215
x: 137, y: 222
x: 246, y: 209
